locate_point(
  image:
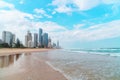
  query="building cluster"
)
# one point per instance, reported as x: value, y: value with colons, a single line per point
x: 40, y: 40
x: 8, y: 37
x: 37, y: 40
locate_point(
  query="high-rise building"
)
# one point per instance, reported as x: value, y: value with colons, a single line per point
x: 57, y: 44
x: 13, y: 40
x: 29, y: 35
x: 28, y: 38
x: 30, y: 44
x: 49, y: 43
x: 54, y: 45
x: 35, y: 40
x: 8, y: 37
x: 1, y: 41
x: 40, y: 37
x: 45, y: 40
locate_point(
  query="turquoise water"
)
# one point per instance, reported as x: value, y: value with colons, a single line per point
x: 85, y: 66
x: 101, y: 51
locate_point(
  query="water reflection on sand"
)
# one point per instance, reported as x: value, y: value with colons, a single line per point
x: 7, y: 60
x: 27, y: 66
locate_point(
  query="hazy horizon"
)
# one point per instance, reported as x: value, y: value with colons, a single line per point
x: 75, y: 23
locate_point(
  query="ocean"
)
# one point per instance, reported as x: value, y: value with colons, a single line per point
x: 86, y: 64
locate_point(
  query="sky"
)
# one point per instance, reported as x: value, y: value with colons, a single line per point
x: 75, y: 23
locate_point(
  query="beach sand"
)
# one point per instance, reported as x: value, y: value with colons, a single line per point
x: 8, y: 51
x: 29, y: 67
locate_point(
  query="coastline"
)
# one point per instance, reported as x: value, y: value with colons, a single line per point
x: 9, y: 51
x: 39, y: 70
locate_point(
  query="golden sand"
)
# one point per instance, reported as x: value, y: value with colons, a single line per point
x: 29, y: 67
x: 5, y: 51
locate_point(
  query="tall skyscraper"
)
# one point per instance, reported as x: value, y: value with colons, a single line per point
x: 13, y: 40
x: 8, y: 37
x: 40, y: 37
x: 28, y: 38
x: 29, y: 35
x: 57, y: 44
x: 49, y: 43
x: 35, y: 40
x: 45, y: 40
x: 1, y: 41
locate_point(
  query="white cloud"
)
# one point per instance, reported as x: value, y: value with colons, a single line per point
x: 54, y: 12
x: 64, y: 9
x: 42, y: 13
x: 98, y: 32
x: 6, y: 5
x: 85, y: 4
x: 78, y: 26
x: 61, y: 6
x: 21, y: 2
x: 68, y: 6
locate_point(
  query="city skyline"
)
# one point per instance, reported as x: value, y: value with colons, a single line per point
x: 75, y: 23
x: 31, y: 40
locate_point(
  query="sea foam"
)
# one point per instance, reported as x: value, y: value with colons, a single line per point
x: 56, y: 69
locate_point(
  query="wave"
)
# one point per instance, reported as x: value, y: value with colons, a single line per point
x: 101, y: 51
x: 56, y: 69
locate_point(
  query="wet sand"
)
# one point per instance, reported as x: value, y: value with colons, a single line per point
x: 7, y: 51
x: 30, y: 67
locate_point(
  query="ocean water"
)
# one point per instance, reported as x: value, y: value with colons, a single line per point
x: 101, y: 51
x: 86, y: 64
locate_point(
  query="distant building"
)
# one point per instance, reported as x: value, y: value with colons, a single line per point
x: 13, y: 40
x: 45, y: 40
x: 28, y: 38
x: 8, y: 37
x: 1, y: 41
x: 49, y: 43
x: 35, y: 40
x: 40, y: 37
x: 30, y: 44
x: 57, y: 46
x: 54, y: 45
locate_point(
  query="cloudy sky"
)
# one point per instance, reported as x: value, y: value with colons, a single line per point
x: 75, y: 23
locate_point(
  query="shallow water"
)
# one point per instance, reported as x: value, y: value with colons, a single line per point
x: 85, y: 66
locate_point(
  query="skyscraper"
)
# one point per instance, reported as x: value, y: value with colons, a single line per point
x: 49, y: 43
x: 13, y: 40
x: 45, y: 40
x: 35, y: 39
x: 40, y: 37
x: 1, y: 41
x: 8, y: 37
x: 57, y: 44
x: 28, y: 38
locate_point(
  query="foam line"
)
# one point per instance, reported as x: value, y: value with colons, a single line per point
x: 56, y: 69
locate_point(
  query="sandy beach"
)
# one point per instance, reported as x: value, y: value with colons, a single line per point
x: 29, y: 67
x: 8, y: 51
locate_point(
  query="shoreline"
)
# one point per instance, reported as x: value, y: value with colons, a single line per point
x: 9, y: 51
x: 58, y: 70
x: 39, y: 70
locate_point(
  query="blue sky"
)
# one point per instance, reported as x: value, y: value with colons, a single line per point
x: 75, y: 23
